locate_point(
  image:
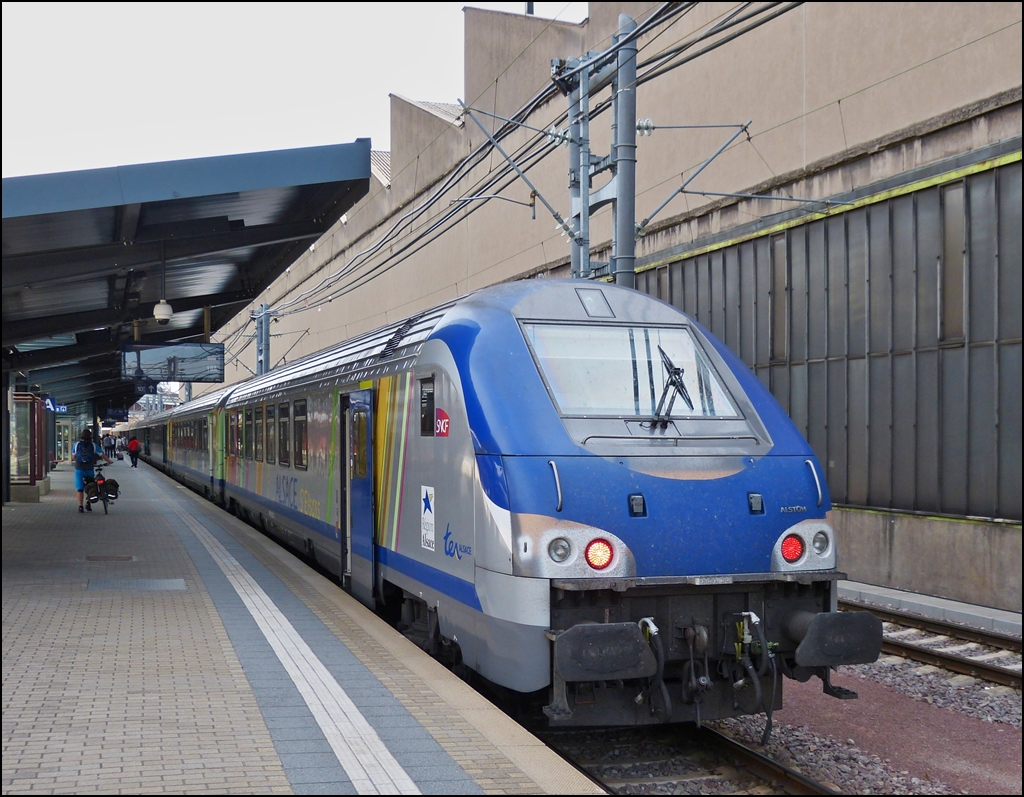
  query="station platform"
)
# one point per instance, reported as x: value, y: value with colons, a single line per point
x: 931, y: 607
x: 168, y: 647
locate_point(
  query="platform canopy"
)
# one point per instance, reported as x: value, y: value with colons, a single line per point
x: 88, y: 255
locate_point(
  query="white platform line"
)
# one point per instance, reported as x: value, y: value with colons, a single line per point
x: 360, y: 751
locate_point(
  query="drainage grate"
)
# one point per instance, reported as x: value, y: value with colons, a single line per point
x: 142, y: 584
x: 110, y: 558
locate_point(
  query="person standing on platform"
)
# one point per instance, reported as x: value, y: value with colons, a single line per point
x: 133, y: 450
x: 86, y: 454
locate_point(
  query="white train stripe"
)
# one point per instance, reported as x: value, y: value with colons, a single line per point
x: 360, y: 751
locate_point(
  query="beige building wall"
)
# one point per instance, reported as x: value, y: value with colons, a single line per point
x: 824, y: 83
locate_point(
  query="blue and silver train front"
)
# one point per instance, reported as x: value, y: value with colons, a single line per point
x: 648, y: 476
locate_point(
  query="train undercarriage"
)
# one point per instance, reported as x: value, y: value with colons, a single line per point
x: 651, y: 654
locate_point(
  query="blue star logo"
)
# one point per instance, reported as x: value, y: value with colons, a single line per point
x: 426, y: 503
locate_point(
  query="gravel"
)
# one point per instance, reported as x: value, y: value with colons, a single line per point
x: 626, y: 755
x: 833, y: 762
x: 658, y: 760
x: 975, y: 698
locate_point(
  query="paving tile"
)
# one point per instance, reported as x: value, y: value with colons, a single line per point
x: 303, y: 746
x: 179, y: 691
x: 307, y: 760
x: 313, y: 775
x: 327, y: 787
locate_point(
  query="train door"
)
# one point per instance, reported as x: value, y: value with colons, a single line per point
x: 357, y: 495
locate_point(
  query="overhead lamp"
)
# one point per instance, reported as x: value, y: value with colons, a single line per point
x: 163, y: 312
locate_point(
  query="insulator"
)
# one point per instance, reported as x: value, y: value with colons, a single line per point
x: 644, y: 127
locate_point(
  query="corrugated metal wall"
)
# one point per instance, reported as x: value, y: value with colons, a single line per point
x: 892, y: 335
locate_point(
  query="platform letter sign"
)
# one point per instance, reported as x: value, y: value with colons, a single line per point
x: 53, y: 406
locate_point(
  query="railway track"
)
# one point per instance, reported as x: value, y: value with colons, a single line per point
x: 679, y: 759
x: 987, y: 655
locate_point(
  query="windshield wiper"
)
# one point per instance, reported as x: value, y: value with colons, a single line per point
x: 673, y: 386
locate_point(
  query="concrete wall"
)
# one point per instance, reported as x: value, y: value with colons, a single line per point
x: 975, y: 562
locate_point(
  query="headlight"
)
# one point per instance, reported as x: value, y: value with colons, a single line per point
x: 559, y: 549
x: 820, y: 542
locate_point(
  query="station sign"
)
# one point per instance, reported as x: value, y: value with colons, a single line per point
x: 116, y: 414
x: 53, y: 406
x: 176, y: 362
x: 145, y: 388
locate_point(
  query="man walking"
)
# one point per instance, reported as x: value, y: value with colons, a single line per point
x: 86, y: 454
x: 133, y: 450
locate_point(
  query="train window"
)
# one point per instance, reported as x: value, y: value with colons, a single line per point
x: 271, y: 438
x: 595, y: 302
x: 204, y: 431
x: 360, y: 441
x: 239, y: 440
x: 232, y: 433
x: 283, y: 441
x: 248, y: 433
x: 427, y: 407
x: 299, y: 424
x: 258, y: 433
x: 622, y: 371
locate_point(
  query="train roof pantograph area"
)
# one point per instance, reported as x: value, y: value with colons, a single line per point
x: 88, y: 255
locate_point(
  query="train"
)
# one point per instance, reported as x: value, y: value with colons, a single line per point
x: 572, y: 489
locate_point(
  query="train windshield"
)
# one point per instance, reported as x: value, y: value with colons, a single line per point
x: 648, y: 372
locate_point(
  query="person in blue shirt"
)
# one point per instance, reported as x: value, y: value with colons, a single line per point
x: 86, y: 454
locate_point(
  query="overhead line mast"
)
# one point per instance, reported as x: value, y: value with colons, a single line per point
x: 580, y: 79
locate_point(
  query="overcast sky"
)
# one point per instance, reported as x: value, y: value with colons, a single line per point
x: 87, y: 85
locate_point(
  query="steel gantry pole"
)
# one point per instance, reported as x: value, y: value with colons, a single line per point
x: 581, y: 79
x: 624, y: 152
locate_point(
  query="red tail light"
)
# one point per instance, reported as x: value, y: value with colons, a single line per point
x: 599, y: 554
x: 792, y: 548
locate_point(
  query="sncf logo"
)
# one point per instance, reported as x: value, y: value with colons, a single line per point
x: 441, y: 423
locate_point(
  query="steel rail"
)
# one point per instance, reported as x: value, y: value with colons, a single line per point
x: 954, y: 662
x: 966, y: 633
x: 761, y: 766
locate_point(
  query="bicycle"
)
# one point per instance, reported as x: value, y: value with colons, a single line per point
x: 100, y: 488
